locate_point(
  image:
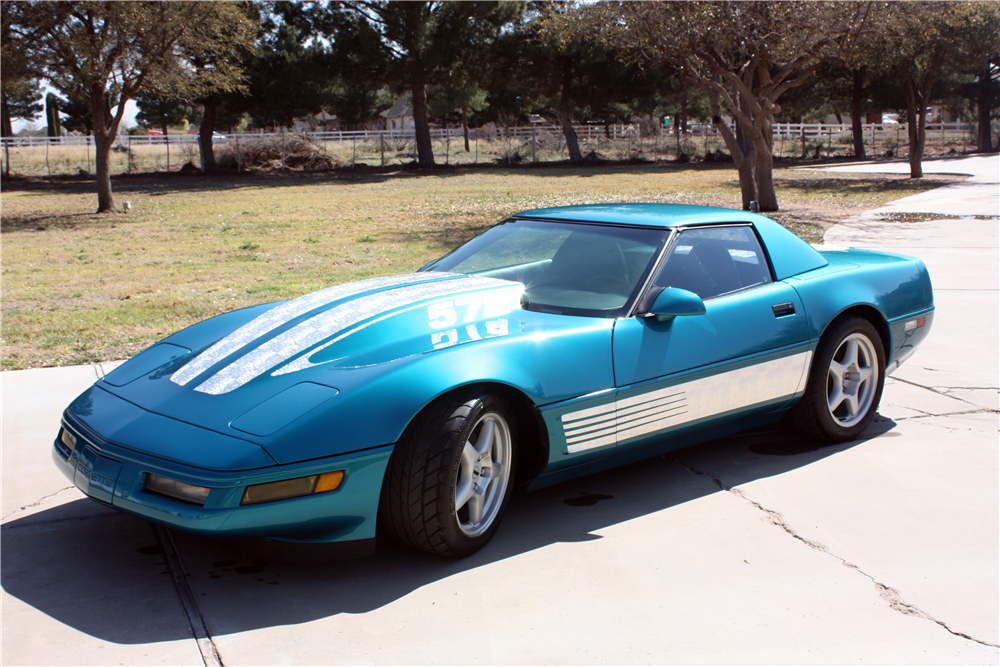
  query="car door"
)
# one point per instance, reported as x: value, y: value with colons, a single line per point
x: 747, y: 353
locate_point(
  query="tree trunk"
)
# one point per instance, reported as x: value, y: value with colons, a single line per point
x: 421, y: 125
x: 744, y: 163
x: 916, y: 108
x: 984, y: 142
x: 465, y: 127
x: 102, y: 158
x: 857, y: 131
x: 6, y: 127
x: 103, y: 138
x: 205, y: 132
x: 763, y: 172
x: 566, y: 121
x: 767, y: 199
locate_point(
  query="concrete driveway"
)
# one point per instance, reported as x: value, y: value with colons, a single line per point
x: 757, y: 549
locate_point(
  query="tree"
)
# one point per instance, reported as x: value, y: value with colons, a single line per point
x: 20, y: 90
x: 289, y: 77
x: 53, y: 128
x: 980, y: 37
x: 78, y: 117
x: 108, y: 52
x: 419, y: 43
x: 155, y: 110
x: 921, y: 43
x: 20, y: 102
x: 744, y: 55
x: 574, y: 70
x: 460, y: 92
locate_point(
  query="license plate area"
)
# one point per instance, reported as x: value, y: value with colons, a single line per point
x: 96, y: 475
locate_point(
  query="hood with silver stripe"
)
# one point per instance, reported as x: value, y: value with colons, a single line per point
x: 398, y: 292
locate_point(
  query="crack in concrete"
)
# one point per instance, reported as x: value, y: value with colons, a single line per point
x: 37, y: 502
x: 926, y: 415
x: 982, y: 388
x: 892, y: 596
x: 936, y: 391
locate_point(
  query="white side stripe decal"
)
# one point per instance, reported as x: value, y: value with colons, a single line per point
x: 301, y: 337
x: 685, y: 402
x: 285, y: 313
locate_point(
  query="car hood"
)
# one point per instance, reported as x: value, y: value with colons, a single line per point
x: 259, y: 369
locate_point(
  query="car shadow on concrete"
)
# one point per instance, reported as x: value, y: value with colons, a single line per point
x: 106, y: 575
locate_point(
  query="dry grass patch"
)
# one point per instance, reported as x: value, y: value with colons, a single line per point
x: 80, y: 288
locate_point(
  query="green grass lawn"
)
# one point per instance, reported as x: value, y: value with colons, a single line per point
x: 79, y: 288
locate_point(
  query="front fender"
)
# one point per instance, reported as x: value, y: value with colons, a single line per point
x: 546, y: 363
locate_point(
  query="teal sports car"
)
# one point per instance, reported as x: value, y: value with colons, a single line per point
x: 560, y: 342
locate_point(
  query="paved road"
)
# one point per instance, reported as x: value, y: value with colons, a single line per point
x: 759, y: 549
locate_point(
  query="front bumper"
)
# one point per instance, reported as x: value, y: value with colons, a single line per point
x: 115, y: 475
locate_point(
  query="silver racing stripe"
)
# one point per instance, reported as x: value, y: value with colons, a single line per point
x: 659, y: 409
x: 286, y: 312
x: 303, y: 362
x: 301, y: 337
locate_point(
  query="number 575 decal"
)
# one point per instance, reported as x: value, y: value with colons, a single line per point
x: 466, y: 309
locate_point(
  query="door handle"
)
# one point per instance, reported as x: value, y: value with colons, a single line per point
x: 783, y: 309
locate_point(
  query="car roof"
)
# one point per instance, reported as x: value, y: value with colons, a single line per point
x: 646, y: 215
x: 789, y: 254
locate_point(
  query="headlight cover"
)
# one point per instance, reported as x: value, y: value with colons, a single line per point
x: 189, y: 493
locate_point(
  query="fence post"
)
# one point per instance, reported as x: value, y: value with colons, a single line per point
x: 47, y: 159
x: 88, y: 154
x: 381, y: 140
x: 239, y: 159
x: 130, y: 154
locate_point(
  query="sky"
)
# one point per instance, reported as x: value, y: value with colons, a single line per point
x: 39, y: 122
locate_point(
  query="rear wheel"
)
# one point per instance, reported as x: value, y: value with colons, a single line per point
x: 845, y: 384
x: 450, y: 476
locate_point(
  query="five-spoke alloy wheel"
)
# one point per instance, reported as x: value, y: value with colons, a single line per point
x: 483, y: 474
x: 851, y: 381
x: 845, y: 384
x: 451, y: 474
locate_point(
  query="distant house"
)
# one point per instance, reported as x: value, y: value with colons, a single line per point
x: 400, y: 117
x: 320, y: 122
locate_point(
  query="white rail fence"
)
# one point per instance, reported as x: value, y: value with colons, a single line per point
x: 499, y: 145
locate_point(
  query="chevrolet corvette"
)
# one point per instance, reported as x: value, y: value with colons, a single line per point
x: 559, y: 343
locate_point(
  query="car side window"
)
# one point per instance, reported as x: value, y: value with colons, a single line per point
x: 712, y: 261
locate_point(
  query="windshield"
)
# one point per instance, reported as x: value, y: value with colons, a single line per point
x: 568, y: 268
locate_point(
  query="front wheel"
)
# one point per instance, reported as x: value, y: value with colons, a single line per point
x: 845, y: 384
x: 450, y: 476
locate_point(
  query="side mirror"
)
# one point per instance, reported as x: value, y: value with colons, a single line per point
x: 675, y: 302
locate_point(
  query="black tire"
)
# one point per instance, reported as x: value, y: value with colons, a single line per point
x: 433, y: 483
x: 845, y: 383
